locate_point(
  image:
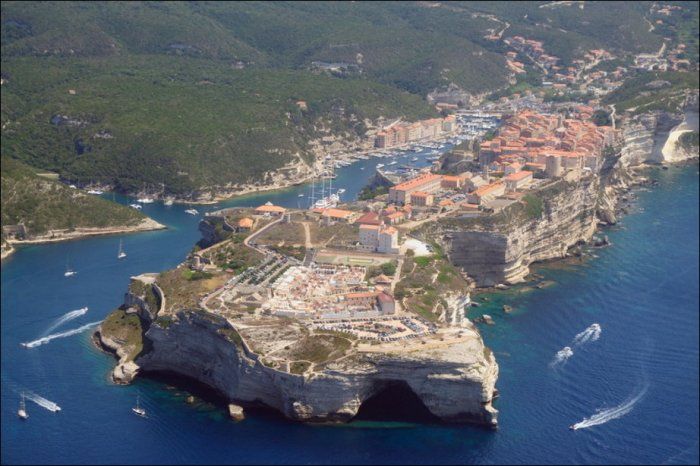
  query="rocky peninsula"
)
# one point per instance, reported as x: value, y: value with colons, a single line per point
x: 248, y: 312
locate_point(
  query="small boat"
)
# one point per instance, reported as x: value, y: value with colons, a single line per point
x: 136, y: 206
x: 341, y: 190
x: 69, y: 272
x: 145, y: 200
x: 95, y: 191
x: 301, y: 195
x: 380, y: 165
x: 168, y: 201
x: 362, y: 168
x: 192, y: 211
x: 121, y: 254
x: 393, y: 163
x: 138, y: 409
x: 572, y: 427
x: 22, y: 412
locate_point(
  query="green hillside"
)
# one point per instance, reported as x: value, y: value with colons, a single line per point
x: 189, y: 95
x: 653, y: 91
x: 42, y: 204
x: 139, y: 121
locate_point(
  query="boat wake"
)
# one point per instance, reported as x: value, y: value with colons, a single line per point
x: 43, y: 402
x: 592, y: 333
x: 561, y: 357
x: 65, y: 318
x: 612, y: 413
x: 44, y: 340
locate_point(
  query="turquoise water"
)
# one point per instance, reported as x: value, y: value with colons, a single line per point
x: 643, y: 291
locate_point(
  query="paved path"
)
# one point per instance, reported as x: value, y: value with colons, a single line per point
x: 254, y: 235
x: 307, y: 233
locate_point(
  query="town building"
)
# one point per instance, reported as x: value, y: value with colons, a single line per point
x: 381, y: 239
x: 519, y: 180
x: 427, y: 182
x: 421, y: 198
x: 339, y: 215
x: 486, y: 193
x: 270, y: 209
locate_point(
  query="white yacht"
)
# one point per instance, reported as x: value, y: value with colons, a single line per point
x: 192, y: 211
x: 121, y: 254
x: 326, y: 202
x: 136, y: 206
x: 22, y: 412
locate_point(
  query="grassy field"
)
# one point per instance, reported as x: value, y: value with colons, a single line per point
x: 125, y: 328
x: 425, y: 281
x: 234, y: 255
x: 182, y: 292
x: 319, y: 348
x: 285, y: 233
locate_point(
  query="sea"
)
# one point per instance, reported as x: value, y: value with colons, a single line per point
x: 629, y: 384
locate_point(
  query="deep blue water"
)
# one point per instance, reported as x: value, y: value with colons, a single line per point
x: 643, y: 291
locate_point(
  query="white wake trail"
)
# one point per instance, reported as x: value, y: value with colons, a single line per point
x: 562, y: 356
x: 612, y: 413
x: 43, y: 402
x: 65, y: 318
x: 592, y: 333
x: 44, y: 340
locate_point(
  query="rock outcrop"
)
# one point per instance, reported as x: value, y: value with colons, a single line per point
x: 456, y: 382
x: 500, y: 249
x: 651, y: 137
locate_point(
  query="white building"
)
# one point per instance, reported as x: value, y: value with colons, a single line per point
x: 375, y: 238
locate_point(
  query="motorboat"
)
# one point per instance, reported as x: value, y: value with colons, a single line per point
x: 145, y: 200
x: 168, y: 201
x: 69, y: 272
x: 95, y: 191
x: 22, y: 411
x: 192, y: 211
x: 136, y: 206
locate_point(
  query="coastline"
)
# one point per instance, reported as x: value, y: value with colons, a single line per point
x: 147, y: 224
x: 300, y: 177
x: 534, y: 281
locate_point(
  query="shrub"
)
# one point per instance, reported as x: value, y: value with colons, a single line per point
x: 533, y: 206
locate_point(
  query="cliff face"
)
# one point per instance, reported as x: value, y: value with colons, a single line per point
x: 651, y: 137
x: 455, y: 382
x: 503, y: 254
